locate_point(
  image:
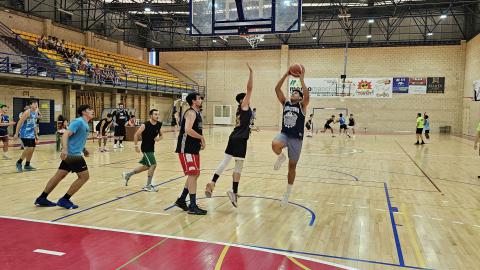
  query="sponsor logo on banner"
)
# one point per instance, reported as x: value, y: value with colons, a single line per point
x: 436, y: 85
x: 354, y: 88
x: 417, y: 85
x: 400, y: 85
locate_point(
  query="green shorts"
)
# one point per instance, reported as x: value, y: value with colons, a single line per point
x: 148, y: 159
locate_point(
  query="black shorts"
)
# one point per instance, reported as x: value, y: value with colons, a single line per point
x: 427, y: 131
x: 74, y: 164
x: 327, y: 127
x: 236, y: 147
x: 28, y: 142
x: 419, y: 131
x: 343, y: 126
x: 120, y: 131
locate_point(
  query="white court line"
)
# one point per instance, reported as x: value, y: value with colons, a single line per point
x: 457, y: 222
x: 347, y: 205
x: 143, y: 212
x: 418, y: 216
x: 363, y: 207
x: 49, y: 252
x: 436, y: 218
x: 383, y: 210
x: 476, y: 226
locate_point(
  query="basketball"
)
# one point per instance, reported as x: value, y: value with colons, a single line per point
x: 295, y: 70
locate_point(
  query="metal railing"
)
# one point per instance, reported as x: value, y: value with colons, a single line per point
x: 61, y: 70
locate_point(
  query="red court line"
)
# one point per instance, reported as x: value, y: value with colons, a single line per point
x: 92, y: 248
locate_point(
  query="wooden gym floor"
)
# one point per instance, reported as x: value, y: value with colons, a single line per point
x: 376, y: 202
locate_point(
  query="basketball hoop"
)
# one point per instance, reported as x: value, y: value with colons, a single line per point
x: 253, y: 40
x: 224, y: 38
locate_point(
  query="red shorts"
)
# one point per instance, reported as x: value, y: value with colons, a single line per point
x: 4, y: 139
x: 190, y: 163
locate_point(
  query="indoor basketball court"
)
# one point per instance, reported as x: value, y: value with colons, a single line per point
x: 240, y: 134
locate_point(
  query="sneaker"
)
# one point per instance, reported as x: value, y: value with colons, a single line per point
x: 115, y: 146
x: 285, y: 200
x: 423, y: 142
x: 281, y: 158
x: 121, y: 146
x: 150, y: 188
x: 5, y: 157
x: 195, y: 210
x: 100, y: 150
x: 209, y: 190
x: 126, y: 177
x: 417, y: 143
x: 44, y: 202
x: 67, y: 204
x: 105, y: 149
x: 181, y: 204
x: 233, y: 198
x: 19, y: 167
x: 29, y: 168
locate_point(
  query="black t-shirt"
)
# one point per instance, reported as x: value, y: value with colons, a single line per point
x: 148, y: 136
x: 121, y: 117
x: 242, y: 124
x: 329, y: 121
x: 185, y: 143
x: 351, y: 122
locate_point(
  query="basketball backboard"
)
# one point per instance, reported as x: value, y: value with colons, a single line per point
x: 244, y: 17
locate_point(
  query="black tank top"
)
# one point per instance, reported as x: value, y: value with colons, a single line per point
x: 242, y: 124
x: 121, y: 117
x: 351, y: 122
x: 185, y: 143
x: 293, y: 120
x: 148, y: 136
x: 329, y: 121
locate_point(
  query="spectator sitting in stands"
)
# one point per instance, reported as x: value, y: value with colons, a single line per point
x: 82, y: 53
x: 51, y: 43
x: 115, y: 76
x: 97, y: 71
x: 41, y: 42
x: 82, y: 65
x: 61, y: 48
x: 125, y: 71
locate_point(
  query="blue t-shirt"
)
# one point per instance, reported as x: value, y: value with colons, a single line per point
x: 27, y: 131
x: 4, y: 129
x: 342, y: 120
x: 426, y: 124
x: 76, y: 142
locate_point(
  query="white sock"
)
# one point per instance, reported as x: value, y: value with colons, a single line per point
x: 289, y: 189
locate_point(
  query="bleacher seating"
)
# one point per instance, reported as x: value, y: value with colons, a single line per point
x: 134, y: 66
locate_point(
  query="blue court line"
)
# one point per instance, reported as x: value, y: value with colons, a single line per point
x: 113, y: 200
x: 336, y: 257
x: 394, y: 227
x: 312, y: 219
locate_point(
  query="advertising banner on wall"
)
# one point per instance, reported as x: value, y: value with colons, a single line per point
x: 372, y: 87
x: 400, y: 85
x: 417, y: 86
x: 354, y: 87
x: 436, y: 85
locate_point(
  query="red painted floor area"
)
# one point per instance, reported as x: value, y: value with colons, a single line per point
x: 87, y: 248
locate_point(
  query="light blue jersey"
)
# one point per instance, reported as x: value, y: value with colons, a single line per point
x: 76, y: 142
x: 426, y: 124
x: 27, y: 131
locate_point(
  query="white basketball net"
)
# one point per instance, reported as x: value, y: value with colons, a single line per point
x: 224, y: 38
x: 254, y: 40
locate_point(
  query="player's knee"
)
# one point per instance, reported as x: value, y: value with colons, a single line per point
x: 238, y: 166
x: 292, y: 165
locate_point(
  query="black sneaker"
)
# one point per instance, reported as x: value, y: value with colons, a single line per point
x: 417, y: 143
x: 423, y: 142
x: 195, y: 210
x: 181, y: 204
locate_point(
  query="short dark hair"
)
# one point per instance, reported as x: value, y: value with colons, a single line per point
x: 149, y: 113
x: 240, y: 96
x: 341, y: 114
x: 31, y: 101
x: 3, y: 106
x: 82, y: 108
x: 109, y: 115
x: 299, y: 92
x: 419, y: 114
x: 191, y: 97
x: 311, y: 115
x: 426, y: 116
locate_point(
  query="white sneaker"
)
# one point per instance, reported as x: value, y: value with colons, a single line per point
x: 121, y: 146
x: 125, y: 177
x: 285, y: 199
x: 233, y: 198
x: 150, y: 188
x: 281, y: 158
x: 5, y: 157
x: 115, y: 146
